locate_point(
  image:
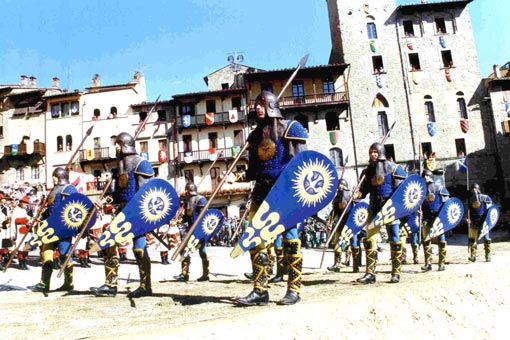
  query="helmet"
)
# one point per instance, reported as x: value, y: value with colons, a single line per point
x: 61, y: 175
x: 475, y: 186
x: 126, y: 142
x: 192, y: 188
x: 344, y: 183
x: 270, y: 103
x: 380, y: 149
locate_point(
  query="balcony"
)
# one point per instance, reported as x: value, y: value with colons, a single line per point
x: 314, y: 100
x: 206, y: 156
x: 95, y: 154
x: 219, y: 119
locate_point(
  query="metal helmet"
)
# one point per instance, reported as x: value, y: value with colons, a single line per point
x: 126, y: 142
x: 191, y: 188
x: 270, y: 103
x: 380, y: 149
x: 475, y: 186
x: 344, y: 183
x: 62, y: 176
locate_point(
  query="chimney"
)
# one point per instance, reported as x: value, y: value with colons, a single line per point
x: 55, y: 83
x: 96, y: 82
x: 33, y: 82
x: 23, y: 81
x: 497, y: 72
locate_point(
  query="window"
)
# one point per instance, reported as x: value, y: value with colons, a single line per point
x: 112, y: 140
x: 69, y: 143
x: 303, y: 119
x: 461, y: 104
x: 34, y: 172
x: 65, y: 110
x: 75, y: 108
x: 460, y: 146
x: 162, y: 144
x: 426, y: 149
x: 60, y: 144
x: 332, y: 121
x: 144, y: 146
x: 440, y: 25
x: 161, y: 115
x: 377, y: 63
x: 210, y: 106
x: 382, y: 123
x: 238, y: 138
x: 113, y: 112
x: 414, y: 61
x: 267, y: 87
x: 224, y: 86
x: 55, y: 110
x: 186, y: 140
x: 213, y: 139
x: 236, y: 103
x: 408, y: 28
x: 97, y: 142
x: 337, y: 157
x: 328, y: 86
x: 446, y: 56
x: 96, y: 115
x: 20, y: 174
x: 390, y: 152
x: 187, y: 109
x: 189, y: 176
x: 429, y: 110
x: 1, y: 132
x: 371, y: 30
x: 142, y: 115
x: 215, y: 171
x: 298, y: 91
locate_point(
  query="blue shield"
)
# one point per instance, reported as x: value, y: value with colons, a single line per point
x: 186, y: 121
x: 306, y: 185
x: 209, y: 225
x: 405, y: 200
x: 412, y: 223
x: 449, y: 217
x: 154, y: 205
x: 442, y: 41
x: 66, y: 220
x: 432, y: 128
x: 491, y: 218
x: 356, y: 221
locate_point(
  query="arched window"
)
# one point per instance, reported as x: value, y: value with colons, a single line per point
x: 113, y: 112
x: 429, y: 109
x: 96, y: 115
x: 69, y: 143
x: 461, y: 104
x: 60, y: 144
x: 379, y: 105
x: 337, y: 157
x: 303, y: 119
x: 371, y: 30
x: 332, y: 121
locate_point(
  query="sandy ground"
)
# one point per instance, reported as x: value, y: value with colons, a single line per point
x: 467, y: 301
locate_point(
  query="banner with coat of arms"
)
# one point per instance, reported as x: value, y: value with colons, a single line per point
x: 464, y: 125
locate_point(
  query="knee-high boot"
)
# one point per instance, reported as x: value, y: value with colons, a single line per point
x: 68, y: 276
x: 144, y: 268
x: 111, y: 270
x: 396, y: 262
x: 259, y: 295
x: 271, y: 256
x: 427, y: 253
x: 356, y: 259
x: 442, y: 255
x: 472, y: 249
x: 292, y: 253
x: 403, y: 255
x: 205, y: 270
x: 280, y: 265
x: 46, y: 270
x: 414, y: 248
x: 348, y: 253
x: 487, y: 248
x: 337, y: 259
x: 371, y: 259
x: 184, y: 275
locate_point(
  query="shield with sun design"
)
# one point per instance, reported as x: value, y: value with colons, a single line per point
x: 356, y: 221
x: 405, y: 200
x: 208, y: 226
x: 449, y: 216
x: 491, y: 218
x: 153, y: 205
x: 66, y: 220
x: 412, y: 223
x: 306, y: 185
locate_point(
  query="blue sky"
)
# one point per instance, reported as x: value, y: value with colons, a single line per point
x: 175, y: 43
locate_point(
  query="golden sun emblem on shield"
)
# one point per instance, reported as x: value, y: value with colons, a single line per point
x: 155, y: 205
x: 494, y: 216
x: 413, y: 195
x: 209, y: 223
x: 453, y: 213
x: 74, y: 214
x: 360, y: 216
x: 313, y: 182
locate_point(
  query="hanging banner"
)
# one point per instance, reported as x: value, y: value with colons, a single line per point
x: 464, y: 125
x: 432, y: 128
x: 233, y: 115
x: 334, y: 136
x: 209, y: 118
x: 186, y: 121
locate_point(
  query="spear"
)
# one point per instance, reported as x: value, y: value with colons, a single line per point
x: 141, y: 126
x: 35, y: 220
x: 184, y: 242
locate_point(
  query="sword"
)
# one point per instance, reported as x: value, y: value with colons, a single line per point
x: 184, y: 242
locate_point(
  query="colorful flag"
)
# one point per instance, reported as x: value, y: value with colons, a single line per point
x: 462, y: 165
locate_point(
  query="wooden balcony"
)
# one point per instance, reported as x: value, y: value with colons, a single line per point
x: 219, y: 119
x: 314, y: 100
x: 94, y: 154
x: 206, y: 156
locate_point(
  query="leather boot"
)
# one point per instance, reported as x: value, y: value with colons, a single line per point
x: 86, y: 258
x: 44, y: 284
x: 442, y: 256
x: 68, y: 277
x: 414, y: 248
x: 292, y: 253
x: 427, y: 252
x: 472, y: 250
x: 164, y: 256
x: 403, y: 257
x: 280, y: 266
x: 356, y: 259
x: 396, y: 257
x: 336, y: 264
x: 371, y: 259
x: 347, y: 261
x: 260, y: 295
x: 205, y: 270
x: 184, y: 275
x: 487, y: 248
x: 144, y: 268
x: 111, y: 267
